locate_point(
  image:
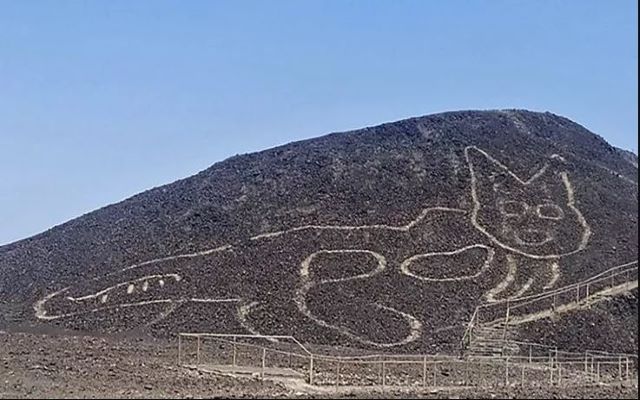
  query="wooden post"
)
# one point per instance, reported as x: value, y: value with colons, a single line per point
x: 550, y: 368
x: 380, y: 371
x: 506, y: 371
x: 554, y: 303
x: 179, y: 349
x: 506, y: 323
x: 530, y: 354
x: 435, y: 370
x: 264, y: 356
x: 586, y: 298
x: 577, y: 293
x: 586, y: 368
x: 559, y: 373
x: 235, y: 351
x: 627, y: 362
x: 337, y: 374
x: 598, y: 371
x: 424, y: 371
x: 198, y: 349
x: 383, y: 375
x: 466, y: 374
x: 522, y: 377
x: 311, y: 370
x: 620, y: 367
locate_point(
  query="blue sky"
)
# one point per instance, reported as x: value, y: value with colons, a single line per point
x: 100, y: 100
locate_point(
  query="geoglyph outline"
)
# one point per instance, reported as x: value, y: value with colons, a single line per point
x: 305, y: 284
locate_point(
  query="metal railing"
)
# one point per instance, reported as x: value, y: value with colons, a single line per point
x: 225, y: 352
x: 542, y: 365
x: 503, y: 312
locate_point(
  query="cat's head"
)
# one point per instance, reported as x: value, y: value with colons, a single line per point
x: 536, y: 217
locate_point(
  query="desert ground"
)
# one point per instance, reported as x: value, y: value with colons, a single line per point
x: 60, y: 364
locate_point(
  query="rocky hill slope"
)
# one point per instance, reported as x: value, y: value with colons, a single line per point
x: 386, y: 237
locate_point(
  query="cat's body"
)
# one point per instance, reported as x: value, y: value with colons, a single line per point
x: 338, y: 279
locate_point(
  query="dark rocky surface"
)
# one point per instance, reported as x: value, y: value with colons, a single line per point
x: 383, y: 175
x: 610, y: 325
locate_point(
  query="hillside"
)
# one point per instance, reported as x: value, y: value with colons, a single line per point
x: 385, y: 237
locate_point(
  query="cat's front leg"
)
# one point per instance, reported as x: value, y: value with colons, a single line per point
x: 525, y: 277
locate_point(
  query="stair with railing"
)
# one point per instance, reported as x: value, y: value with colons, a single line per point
x: 492, y: 340
x: 488, y: 332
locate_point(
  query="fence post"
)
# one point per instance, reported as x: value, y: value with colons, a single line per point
x: 598, y: 371
x: 559, y: 373
x: 466, y: 373
x: 435, y: 369
x: 506, y: 323
x: 179, y: 349
x: 586, y: 297
x: 198, y: 349
x: 380, y: 371
x: 264, y: 356
x: 424, y: 371
x: 506, y: 371
x: 577, y: 293
x: 235, y: 351
x: 620, y: 367
x: 585, y: 363
x: 550, y: 367
x: 554, y: 302
x: 337, y: 375
x: 627, y: 361
x: 522, y: 377
x: 383, y: 374
x: 311, y: 370
x: 530, y: 354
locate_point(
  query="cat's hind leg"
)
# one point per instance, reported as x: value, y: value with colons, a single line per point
x: 338, y: 291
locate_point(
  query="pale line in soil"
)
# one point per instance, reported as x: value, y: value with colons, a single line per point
x: 555, y: 274
x: 522, y: 290
x: 477, y: 205
x: 405, y: 266
x: 415, y: 326
x: 41, y: 313
x: 585, y: 302
x: 402, y: 228
x: 500, y: 287
x: 243, y: 311
x: 176, y: 277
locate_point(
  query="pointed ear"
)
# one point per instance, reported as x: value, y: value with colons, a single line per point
x: 554, y: 180
x: 488, y: 175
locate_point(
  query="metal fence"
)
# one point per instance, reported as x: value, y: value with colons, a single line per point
x: 244, y: 354
x: 510, y: 312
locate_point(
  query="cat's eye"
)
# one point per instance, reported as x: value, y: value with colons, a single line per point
x: 549, y: 211
x: 513, y: 208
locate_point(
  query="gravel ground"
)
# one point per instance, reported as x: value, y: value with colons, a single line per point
x: 61, y: 365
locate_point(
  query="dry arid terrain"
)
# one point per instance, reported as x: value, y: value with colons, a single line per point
x: 64, y: 365
x: 395, y: 239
